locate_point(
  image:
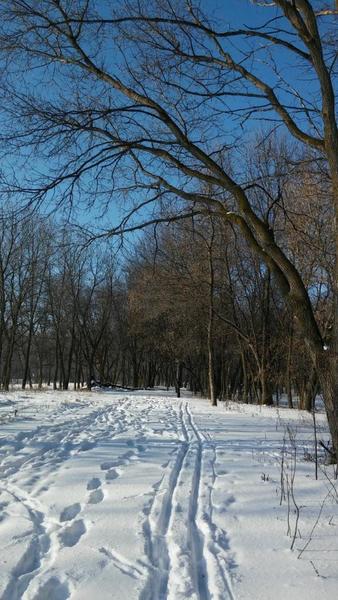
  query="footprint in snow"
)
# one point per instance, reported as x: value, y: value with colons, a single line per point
x: 30, y: 560
x: 69, y: 512
x: 111, y: 475
x: 94, y: 483
x: 230, y: 500
x: 53, y: 589
x: 71, y: 535
x: 129, y: 454
x: 226, y: 503
x: 108, y: 465
x: 96, y: 497
x: 86, y: 445
x: 119, y: 462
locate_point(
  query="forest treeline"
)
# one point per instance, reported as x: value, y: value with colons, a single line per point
x: 151, y: 108
x: 190, y: 305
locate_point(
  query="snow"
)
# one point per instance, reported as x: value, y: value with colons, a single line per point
x: 144, y: 496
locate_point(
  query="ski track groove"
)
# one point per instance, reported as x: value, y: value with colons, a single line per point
x: 196, y: 538
x: 156, y: 527
x: 174, y: 575
x: 216, y: 539
x: 208, y: 550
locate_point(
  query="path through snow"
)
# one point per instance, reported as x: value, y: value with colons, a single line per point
x: 146, y: 497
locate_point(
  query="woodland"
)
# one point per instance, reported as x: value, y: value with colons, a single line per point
x: 212, y: 133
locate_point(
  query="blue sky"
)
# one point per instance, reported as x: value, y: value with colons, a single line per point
x: 237, y: 13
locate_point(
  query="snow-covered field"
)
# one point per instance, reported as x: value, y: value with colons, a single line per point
x: 144, y: 496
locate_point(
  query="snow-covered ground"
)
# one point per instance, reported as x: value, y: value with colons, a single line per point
x: 144, y: 496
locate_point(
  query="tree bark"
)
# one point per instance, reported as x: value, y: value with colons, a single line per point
x: 288, y: 370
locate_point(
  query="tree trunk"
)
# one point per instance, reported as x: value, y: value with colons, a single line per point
x: 178, y: 378
x: 244, y: 393
x: 6, y: 378
x: 328, y: 378
x: 210, y: 332
x: 266, y: 388
x: 288, y: 370
x: 27, y: 356
x: 56, y: 371
x: 266, y: 394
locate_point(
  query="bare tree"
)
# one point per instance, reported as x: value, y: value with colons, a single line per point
x: 150, y: 92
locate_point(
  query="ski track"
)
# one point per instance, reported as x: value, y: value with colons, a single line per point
x: 186, y: 553
x: 188, y: 556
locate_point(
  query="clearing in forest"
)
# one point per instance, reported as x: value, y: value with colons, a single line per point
x: 144, y: 496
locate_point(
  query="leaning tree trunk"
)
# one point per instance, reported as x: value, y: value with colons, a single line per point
x: 327, y: 360
x: 327, y: 370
